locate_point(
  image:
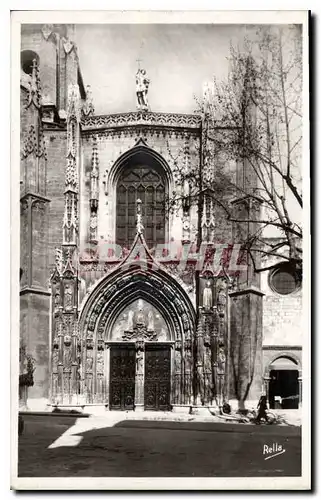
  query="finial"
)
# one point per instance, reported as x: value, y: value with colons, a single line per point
x: 139, y: 224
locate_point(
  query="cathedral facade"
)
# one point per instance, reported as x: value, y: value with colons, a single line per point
x: 124, y: 301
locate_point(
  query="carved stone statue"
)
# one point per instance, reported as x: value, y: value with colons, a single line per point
x: 130, y: 321
x: 68, y: 297
x: 57, y: 299
x: 221, y: 359
x: 142, y: 84
x: 150, y: 325
x: 207, y: 296
x: 140, y: 316
x: 139, y: 362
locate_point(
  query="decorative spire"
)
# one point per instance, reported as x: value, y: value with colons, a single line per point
x: 73, y: 118
x: 34, y: 96
x: 88, y: 107
x: 73, y: 108
x: 211, y: 224
x: 94, y: 192
x: 205, y: 220
x: 94, y: 176
x: 70, y: 221
x: 139, y: 224
x: 208, y: 220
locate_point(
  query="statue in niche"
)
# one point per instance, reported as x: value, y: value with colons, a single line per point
x: 186, y: 188
x: 55, y: 360
x: 207, y: 296
x: 68, y: 297
x: 142, y: 84
x: 57, y: 298
x: 130, y: 321
x: 100, y: 362
x: 150, y: 325
x: 67, y: 357
x: 221, y: 359
x: 89, y: 360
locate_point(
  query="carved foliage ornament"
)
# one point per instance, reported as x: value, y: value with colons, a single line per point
x: 142, y: 118
x: 34, y: 90
x: 68, y: 45
x: 47, y: 30
x: 34, y: 144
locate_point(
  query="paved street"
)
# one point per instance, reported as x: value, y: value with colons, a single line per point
x: 90, y: 447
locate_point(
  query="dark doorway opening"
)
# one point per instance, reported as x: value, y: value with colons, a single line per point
x: 157, y: 377
x: 122, y: 377
x: 284, y: 389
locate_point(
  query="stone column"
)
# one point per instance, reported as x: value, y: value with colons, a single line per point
x: 246, y: 344
x: 300, y: 389
x: 139, y: 375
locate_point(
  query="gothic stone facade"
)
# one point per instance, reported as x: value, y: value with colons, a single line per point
x: 128, y: 328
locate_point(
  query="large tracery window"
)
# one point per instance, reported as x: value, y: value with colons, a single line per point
x: 146, y: 183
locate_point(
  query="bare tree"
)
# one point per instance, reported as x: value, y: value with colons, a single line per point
x: 255, y: 119
x: 252, y: 122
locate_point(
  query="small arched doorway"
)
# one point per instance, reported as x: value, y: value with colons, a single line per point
x: 284, y: 384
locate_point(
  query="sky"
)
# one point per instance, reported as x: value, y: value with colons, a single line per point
x: 178, y: 60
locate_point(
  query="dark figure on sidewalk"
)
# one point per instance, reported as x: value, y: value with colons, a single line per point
x: 262, y: 407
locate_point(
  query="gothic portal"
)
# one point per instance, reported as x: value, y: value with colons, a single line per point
x: 110, y: 317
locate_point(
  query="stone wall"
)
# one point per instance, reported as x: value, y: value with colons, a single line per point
x: 282, y: 316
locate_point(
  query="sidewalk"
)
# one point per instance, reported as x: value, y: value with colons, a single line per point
x: 111, y: 418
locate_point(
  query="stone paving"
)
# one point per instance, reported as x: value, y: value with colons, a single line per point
x: 60, y: 446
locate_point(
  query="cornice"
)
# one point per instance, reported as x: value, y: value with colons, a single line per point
x: 36, y: 291
x: 34, y: 196
x: 281, y: 347
x: 138, y: 119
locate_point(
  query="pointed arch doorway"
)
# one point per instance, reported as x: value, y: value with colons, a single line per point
x: 137, y: 327
x: 140, y: 359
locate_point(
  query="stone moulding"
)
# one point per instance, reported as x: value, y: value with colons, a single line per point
x: 133, y: 119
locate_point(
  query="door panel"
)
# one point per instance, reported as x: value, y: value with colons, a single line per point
x: 122, y: 377
x: 157, y: 377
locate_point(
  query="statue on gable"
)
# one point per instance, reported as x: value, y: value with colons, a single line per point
x: 142, y: 84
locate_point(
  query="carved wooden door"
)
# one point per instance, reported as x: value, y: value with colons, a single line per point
x: 157, y: 377
x: 122, y: 377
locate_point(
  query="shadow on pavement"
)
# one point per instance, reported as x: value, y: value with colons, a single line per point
x: 132, y: 448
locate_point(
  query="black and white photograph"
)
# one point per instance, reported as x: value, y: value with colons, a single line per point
x: 160, y: 320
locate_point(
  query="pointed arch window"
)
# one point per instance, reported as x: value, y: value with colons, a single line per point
x: 147, y: 183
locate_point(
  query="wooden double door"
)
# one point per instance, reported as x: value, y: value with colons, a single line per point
x: 156, y: 378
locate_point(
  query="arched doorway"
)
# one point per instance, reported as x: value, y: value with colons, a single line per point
x: 137, y: 328
x: 284, y: 384
x: 148, y: 383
